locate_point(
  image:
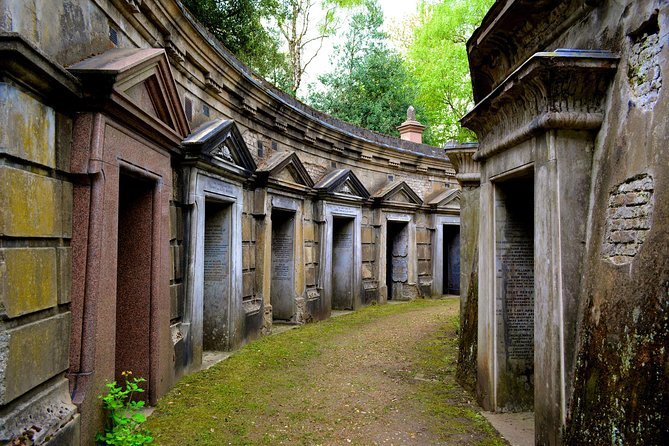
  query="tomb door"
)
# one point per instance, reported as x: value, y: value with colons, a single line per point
x: 451, y: 259
x: 397, y: 258
x: 282, y: 289
x: 514, y: 289
x: 134, y: 278
x: 342, y: 263
x: 216, y: 302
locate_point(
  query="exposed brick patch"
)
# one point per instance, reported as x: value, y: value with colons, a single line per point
x: 629, y: 213
x: 644, y: 73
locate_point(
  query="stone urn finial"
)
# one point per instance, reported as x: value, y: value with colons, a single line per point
x: 411, y: 130
x: 411, y: 113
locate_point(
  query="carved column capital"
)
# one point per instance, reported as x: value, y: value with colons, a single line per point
x: 565, y: 89
x: 467, y: 171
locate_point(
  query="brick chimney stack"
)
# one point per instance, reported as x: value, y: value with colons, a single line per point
x: 411, y: 130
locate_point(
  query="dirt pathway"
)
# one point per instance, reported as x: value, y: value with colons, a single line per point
x: 381, y: 376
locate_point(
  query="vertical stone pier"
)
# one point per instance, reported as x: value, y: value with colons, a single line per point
x: 468, y: 174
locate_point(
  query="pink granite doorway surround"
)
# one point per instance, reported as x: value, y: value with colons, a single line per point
x: 122, y: 156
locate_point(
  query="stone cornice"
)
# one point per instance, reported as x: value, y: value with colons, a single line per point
x: 205, y: 62
x: 512, y: 31
x: 24, y: 63
x: 467, y: 171
x: 565, y: 89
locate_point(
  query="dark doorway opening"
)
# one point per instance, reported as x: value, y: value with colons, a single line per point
x: 282, y: 290
x: 342, y: 263
x: 514, y: 234
x: 451, y: 259
x: 397, y: 255
x: 216, y: 302
x: 134, y: 278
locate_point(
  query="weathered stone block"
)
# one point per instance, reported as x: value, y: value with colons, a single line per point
x: 424, y: 267
x: 310, y: 273
x: 48, y: 415
x: 28, y: 280
x: 31, y: 354
x: 64, y: 274
x: 248, y: 257
x: 178, y: 264
x: 367, y: 271
x: 247, y: 228
x: 368, y: 253
x: 248, y: 285
x: 308, y: 254
x: 422, y: 235
x: 173, y: 222
x: 248, y: 201
x: 424, y: 252
x: 66, y: 206
x: 172, y: 262
x: 34, y: 205
x: 309, y: 232
x: 400, y: 269
x: 367, y: 235
x: 176, y: 292
x: 31, y: 127
x: 63, y: 142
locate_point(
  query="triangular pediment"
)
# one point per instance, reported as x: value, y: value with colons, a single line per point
x: 401, y: 197
x: 286, y: 168
x: 398, y: 192
x: 220, y: 142
x: 343, y: 183
x: 139, y: 77
x: 448, y: 199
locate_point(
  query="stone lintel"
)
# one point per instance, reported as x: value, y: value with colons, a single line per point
x: 564, y: 89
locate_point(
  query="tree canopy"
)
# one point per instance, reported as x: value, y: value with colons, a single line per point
x: 369, y: 85
x: 438, y: 60
x: 239, y: 25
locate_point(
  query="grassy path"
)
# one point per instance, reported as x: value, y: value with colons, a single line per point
x: 381, y: 376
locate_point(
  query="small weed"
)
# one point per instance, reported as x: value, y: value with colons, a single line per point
x: 124, y: 418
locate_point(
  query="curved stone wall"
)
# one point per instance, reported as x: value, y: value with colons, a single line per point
x: 172, y: 204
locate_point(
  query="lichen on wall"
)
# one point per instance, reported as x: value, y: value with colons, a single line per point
x: 621, y: 395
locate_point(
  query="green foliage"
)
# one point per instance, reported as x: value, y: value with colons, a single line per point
x: 238, y: 24
x: 299, y: 30
x: 124, y: 419
x: 370, y: 85
x: 438, y: 60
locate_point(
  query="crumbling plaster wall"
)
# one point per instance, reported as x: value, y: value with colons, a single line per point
x: 619, y: 386
x: 621, y: 381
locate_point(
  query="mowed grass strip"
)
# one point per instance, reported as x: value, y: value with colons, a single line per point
x: 236, y: 401
x: 459, y: 419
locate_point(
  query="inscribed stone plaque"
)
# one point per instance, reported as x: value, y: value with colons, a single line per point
x: 215, y: 252
x: 343, y: 240
x: 400, y: 267
x: 514, y: 295
x: 282, y: 293
x: 342, y: 264
x: 282, y: 255
x: 516, y: 254
x: 216, y: 276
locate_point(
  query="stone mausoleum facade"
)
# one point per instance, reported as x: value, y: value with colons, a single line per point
x: 565, y: 217
x: 160, y: 203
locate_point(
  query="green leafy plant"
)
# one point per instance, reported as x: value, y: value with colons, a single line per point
x: 124, y: 417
